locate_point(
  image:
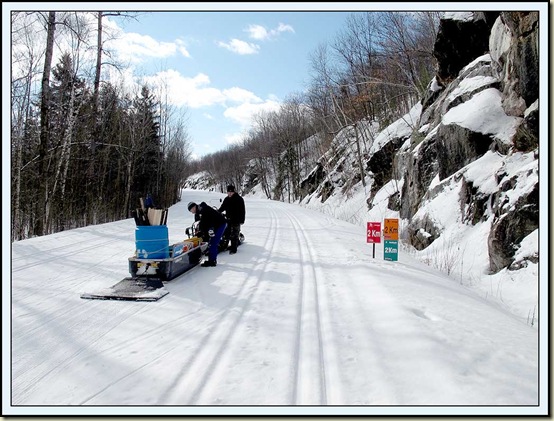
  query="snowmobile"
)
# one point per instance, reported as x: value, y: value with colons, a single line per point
x: 224, y: 243
x: 154, y: 263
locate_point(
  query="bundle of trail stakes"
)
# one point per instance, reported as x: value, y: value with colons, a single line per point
x: 146, y: 215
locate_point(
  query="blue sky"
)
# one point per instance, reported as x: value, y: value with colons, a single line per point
x: 226, y: 66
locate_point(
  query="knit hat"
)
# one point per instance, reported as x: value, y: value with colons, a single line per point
x: 230, y: 188
x: 191, y: 205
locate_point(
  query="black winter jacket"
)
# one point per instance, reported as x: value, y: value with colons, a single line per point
x: 209, y: 217
x: 234, y: 209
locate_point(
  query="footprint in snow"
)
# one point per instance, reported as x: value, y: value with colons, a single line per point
x: 425, y: 315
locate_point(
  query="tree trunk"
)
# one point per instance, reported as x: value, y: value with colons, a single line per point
x: 66, y: 149
x: 96, y: 91
x: 362, y: 174
x: 42, y: 220
x: 23, y: 117
x: 126, y: 206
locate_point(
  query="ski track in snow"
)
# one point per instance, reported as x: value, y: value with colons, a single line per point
x: 315, y: 319
x: 71, y: 321
x: 39, y: 259
x: 223, y: 339
x: 310, y: 384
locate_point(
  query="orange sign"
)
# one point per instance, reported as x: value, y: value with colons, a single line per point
x: 391, y: 229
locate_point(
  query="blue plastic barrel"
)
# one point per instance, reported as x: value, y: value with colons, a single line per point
x: 152, y: 241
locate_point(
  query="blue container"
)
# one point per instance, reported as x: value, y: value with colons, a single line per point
x: 152, y: 242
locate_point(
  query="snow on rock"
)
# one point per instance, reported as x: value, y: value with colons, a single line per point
x: 403, y: 127
x: 483, y: 113
x: 469, y: 85
x: 500, y: 40
x: 461, y: 16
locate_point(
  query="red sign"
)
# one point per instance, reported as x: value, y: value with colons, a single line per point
x: 373, y: 232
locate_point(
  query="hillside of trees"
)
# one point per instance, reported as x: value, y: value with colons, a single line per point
x: 83, y: 150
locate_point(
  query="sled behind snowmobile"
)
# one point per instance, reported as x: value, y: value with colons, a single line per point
x: 153, y: 264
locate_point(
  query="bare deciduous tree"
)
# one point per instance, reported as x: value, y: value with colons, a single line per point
x: 44, y: 129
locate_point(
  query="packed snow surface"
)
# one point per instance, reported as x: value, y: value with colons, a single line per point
x: 302, y: 320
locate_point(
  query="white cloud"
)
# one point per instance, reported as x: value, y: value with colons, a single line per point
x: 244, y: 113
x: 124, y: 78
x: 283, y: 27
x: 134, y: 47
x: 196, y: 92
x: 181, y: 47
x: 193, y: 92
x: 259, y: 32
x: 240, y: 47
x: 235, y: 138
x: 240, y: 95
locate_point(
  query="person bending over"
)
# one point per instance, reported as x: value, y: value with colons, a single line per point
x: 211, y: 222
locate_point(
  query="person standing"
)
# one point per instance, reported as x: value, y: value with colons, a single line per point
x: 149, y: 201
x: 211, y: 222
x: 235, y: 212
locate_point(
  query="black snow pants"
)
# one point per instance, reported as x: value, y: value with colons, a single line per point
x: 234, y: 231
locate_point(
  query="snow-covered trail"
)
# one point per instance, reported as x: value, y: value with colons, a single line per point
x: 301, y: 315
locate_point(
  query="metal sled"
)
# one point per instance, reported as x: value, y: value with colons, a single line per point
x: 149, y: 274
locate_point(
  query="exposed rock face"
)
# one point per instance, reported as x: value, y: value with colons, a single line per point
x: 422, y: 233
x: 482, y: 104
x: 420, y: 170
x: 381, y: 163
x: 474, y: 202
x: 524, y: 53
x: 514, y: 49
x: 510, y: 226
x: 312, y: 181
x: 446, y: 148
x: 515, y: 53
x: 527, y: 136
x: 512, y: 70
x: 457, y: 147
x: 458, y: 43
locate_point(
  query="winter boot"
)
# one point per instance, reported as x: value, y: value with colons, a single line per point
x: 209, y: 262
x: 233, y: 248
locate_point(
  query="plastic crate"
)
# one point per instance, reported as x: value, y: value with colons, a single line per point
x: 152, y: 242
